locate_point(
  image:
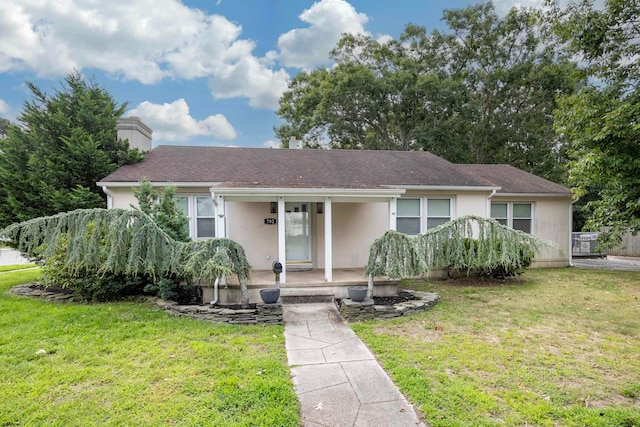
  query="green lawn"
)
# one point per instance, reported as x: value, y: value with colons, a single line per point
x: 557, y: 347
x: 127, y: 363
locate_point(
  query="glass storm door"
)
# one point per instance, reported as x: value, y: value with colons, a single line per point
x: 298, y: 232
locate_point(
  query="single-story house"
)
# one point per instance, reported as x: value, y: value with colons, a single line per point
x: 322, y: 209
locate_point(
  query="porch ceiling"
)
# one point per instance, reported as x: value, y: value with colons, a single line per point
x: 306, y: 194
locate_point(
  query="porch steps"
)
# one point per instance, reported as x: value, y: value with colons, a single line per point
x: 306, y: 294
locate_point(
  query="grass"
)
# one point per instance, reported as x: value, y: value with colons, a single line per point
x: 4, y: 268
x: 127, y: 363
x: 557, y: 347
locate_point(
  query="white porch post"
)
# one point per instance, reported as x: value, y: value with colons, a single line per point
x: 282, y: 250
x: 393, y: 205
x: 221, y: 222
x: 328, y: 244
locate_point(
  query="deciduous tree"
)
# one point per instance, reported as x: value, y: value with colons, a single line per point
x: 603, y: 120
x: 484, y: 92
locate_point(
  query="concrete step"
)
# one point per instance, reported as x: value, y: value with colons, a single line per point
x: 298, y: 295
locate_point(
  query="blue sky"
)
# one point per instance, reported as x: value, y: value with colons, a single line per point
x: 198, y: 72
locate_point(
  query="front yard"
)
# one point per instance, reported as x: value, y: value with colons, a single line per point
x: 556, y: 347
x: 126, y: 363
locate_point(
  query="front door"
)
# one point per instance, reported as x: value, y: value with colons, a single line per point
x: 298, y: 234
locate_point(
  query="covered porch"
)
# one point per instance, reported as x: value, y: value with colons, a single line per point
x: 326, y: 232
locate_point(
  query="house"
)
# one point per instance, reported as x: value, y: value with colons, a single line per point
x: 322, y: 209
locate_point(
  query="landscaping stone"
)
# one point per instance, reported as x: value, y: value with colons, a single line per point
x: 261, y: 313
x: 256, y: 314
x: 354, y: 311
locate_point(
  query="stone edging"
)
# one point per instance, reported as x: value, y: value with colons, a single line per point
x: 353, y: 311
x: 33, y: 290
x: 261, y: 314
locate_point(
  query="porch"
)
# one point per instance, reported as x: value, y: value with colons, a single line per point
x: 302, y: 286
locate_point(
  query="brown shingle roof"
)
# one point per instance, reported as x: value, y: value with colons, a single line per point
x: 306, y: 168
x: 513, y: 180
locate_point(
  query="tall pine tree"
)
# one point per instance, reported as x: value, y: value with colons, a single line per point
x: 63, y: 145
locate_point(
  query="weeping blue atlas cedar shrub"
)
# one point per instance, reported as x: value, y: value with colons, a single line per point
x: 124, y: 243
x: 469, y: 243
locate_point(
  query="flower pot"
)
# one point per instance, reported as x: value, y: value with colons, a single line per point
x: 270, y: 296
x: 357, y: 293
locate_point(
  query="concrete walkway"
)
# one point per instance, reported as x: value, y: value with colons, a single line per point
x: 10, y: 256
x: 338, y: 381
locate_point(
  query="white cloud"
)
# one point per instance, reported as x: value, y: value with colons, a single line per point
x: 4, y: 108
x: 249, y: 78
x: 328, y: 19
x: 271, y: 144
x: 143, y: 40
x: 173, y: 122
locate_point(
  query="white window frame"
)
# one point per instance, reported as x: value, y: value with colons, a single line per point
x: 439, y: 217
x: 424, y: 210
x: 420, y: 214
x: 192, y: 215
x: 510, y: 216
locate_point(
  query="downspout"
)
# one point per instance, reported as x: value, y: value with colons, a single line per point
x: 488, y: 207
x: 215, y: 291
x: 106, y: 191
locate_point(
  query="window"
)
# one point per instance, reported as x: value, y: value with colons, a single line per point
x: 518, y: 216
x: 201, y: 214
x: 205, y: 219
x: 182, y: 202
x: 499, y: 213
x: 438, y: 212
x: 522, y: 217
x: 408, y: 216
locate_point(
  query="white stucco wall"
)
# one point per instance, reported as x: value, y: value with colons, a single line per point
x: 122, y: 198
x: 357, y: 225
x: 245, y: 225
x: 551, y: 221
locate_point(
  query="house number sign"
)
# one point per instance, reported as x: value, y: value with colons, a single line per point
x: 270, y: 221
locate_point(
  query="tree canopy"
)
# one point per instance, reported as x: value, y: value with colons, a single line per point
x: 63, y: 144
x: 484, y: 92
x: 602, y: 121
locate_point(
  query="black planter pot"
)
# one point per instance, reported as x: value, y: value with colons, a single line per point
x: 357, y: 293
x: 270, y: 296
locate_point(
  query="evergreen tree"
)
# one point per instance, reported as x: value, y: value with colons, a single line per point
x: 161, y: 207
x: 63, y: 145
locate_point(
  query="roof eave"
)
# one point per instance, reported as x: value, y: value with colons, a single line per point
x: 122, y: 184
x: 447, y: 187
x: 536, y: 195
x: 309, y: 193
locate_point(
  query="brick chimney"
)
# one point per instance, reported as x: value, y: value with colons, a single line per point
x: 138, y: 134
